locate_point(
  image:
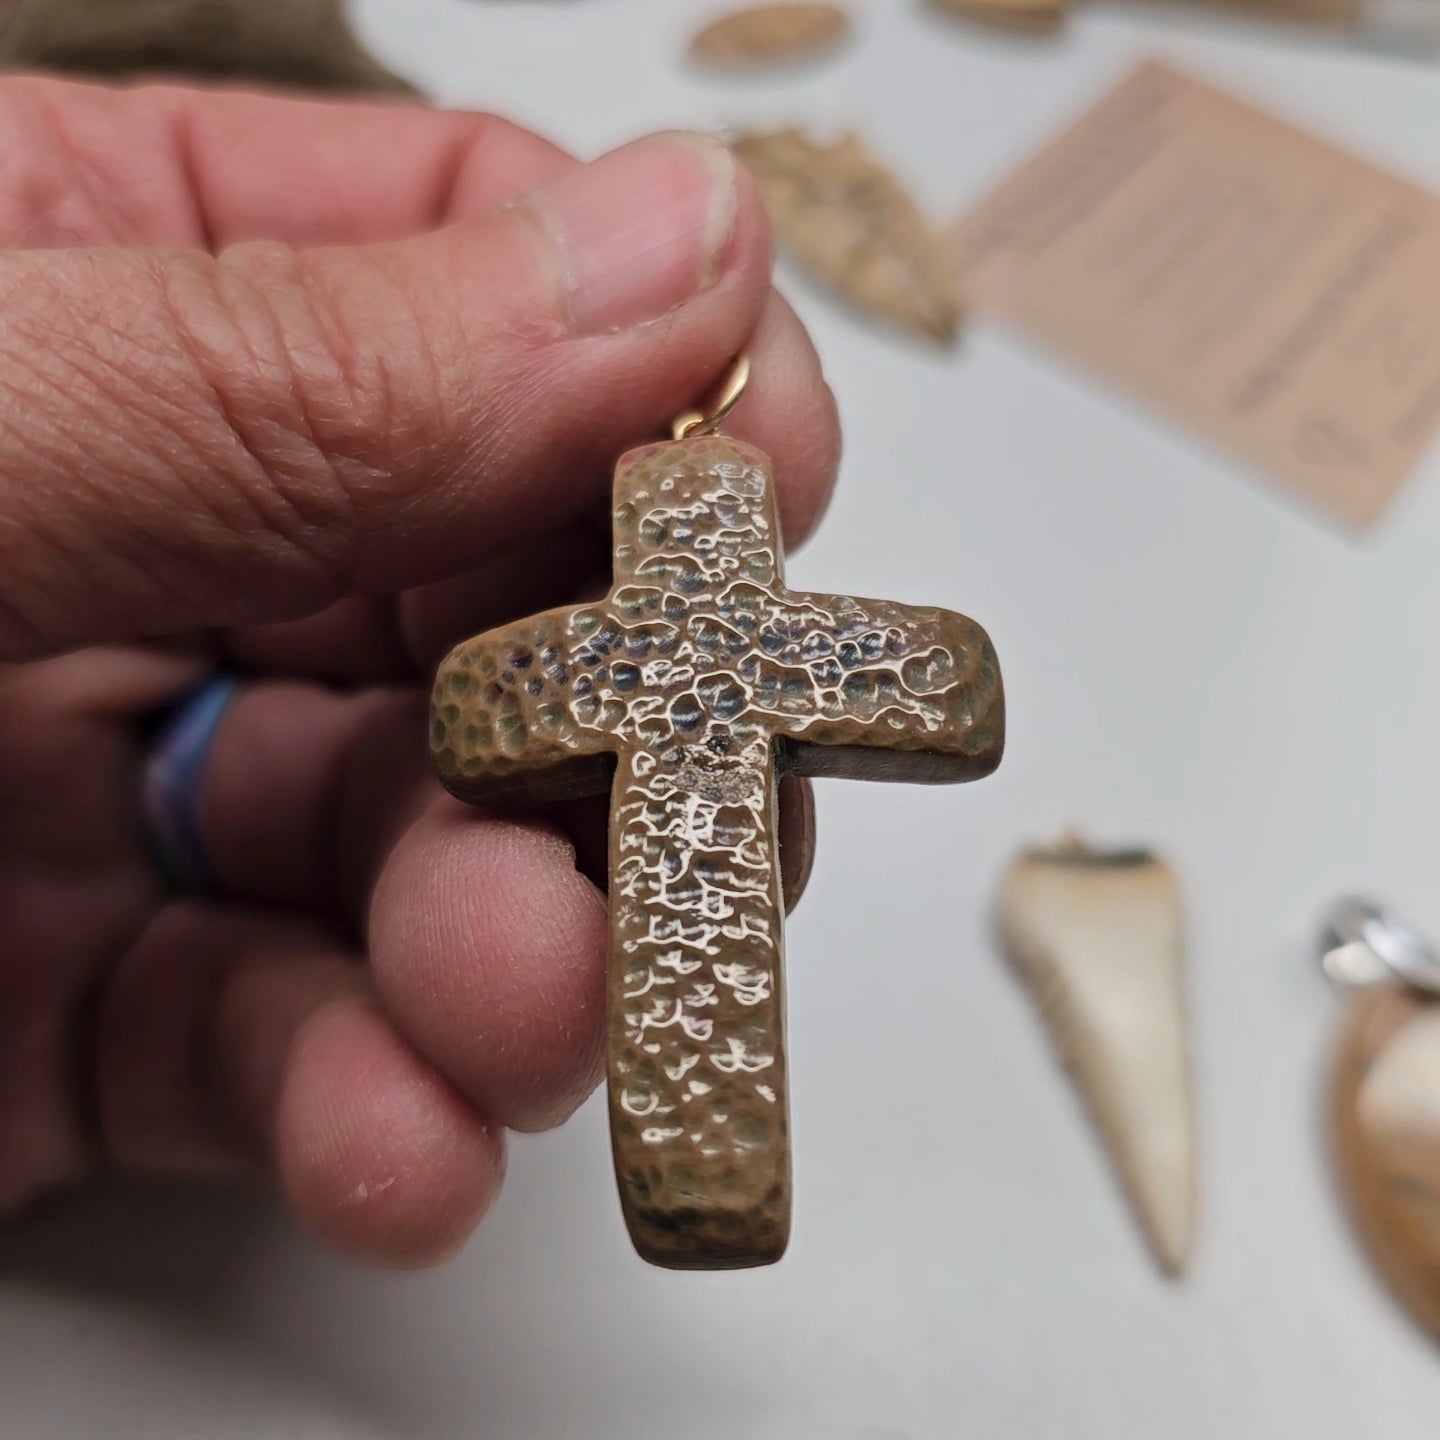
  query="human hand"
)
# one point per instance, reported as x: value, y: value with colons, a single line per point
x: 307, y: 396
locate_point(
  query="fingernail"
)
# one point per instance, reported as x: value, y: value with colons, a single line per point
x: 640, y: 230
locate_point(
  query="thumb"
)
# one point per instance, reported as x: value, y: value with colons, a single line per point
x: 191, y: 440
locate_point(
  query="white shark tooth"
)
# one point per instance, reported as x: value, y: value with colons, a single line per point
x: 1096, y: 936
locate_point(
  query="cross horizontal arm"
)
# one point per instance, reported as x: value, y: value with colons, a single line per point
x: 876, y: 690
x: 518, y: 713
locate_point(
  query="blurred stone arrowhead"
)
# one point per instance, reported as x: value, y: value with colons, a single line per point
x: 842, y: 215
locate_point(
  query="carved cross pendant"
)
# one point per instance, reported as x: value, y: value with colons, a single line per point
x: 687, y: 692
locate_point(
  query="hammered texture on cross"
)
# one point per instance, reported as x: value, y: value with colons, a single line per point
x: 687, y: 691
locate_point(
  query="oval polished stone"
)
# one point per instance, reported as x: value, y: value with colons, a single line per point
x: 1385, y: 1128
x: 770, y: 34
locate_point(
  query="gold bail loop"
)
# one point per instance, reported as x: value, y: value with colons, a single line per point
x: 707, y: 422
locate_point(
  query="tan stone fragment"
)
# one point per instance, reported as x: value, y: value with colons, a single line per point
x: 770, y: 34
x: 1009, y: 14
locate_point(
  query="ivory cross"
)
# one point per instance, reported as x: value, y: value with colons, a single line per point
x: 687, y: 692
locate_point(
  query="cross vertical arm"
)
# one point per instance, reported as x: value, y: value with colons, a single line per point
x: 698, y: 1106
x: 693, y: 516
x: 698, y: 1117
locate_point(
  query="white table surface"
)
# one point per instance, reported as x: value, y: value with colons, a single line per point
x: 1191, y: 661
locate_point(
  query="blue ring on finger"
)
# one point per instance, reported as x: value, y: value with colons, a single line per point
x: 172, y: 783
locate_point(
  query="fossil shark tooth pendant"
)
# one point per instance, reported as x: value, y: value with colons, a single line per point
x: 1032, y: 15
x: 1384, y: 1106
x: 1096, y: 938
x: 1385, y: 1131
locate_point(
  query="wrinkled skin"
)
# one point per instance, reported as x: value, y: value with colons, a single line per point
x: 286, y: 387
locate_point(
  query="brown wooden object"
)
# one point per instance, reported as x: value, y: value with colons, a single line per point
x: 686, y: 692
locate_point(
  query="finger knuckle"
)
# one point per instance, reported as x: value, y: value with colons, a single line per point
x: 282, y: 403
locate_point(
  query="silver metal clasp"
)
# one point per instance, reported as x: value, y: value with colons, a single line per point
x: 1362, y: 943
